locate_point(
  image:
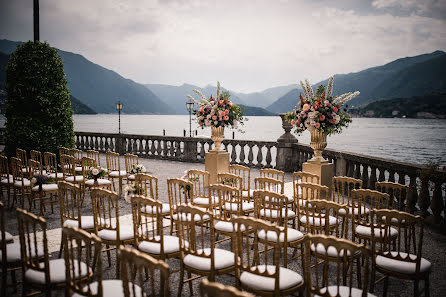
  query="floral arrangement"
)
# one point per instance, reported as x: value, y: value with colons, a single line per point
x: 189, y: 179
x: 321, y: 110
x: 218, y: 111
x: 132, y: 189
x: 137, y: 168
x: 96, y: 172
x: 41, y: 179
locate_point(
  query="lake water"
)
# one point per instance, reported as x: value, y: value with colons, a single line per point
x: 409, y: 140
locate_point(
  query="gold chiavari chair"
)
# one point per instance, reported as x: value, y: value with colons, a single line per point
x: 87, y: 165
x: 83, y: 248
x: 77, y: 154
x: 149, y: 230
x: 106, y: 222
x: 325, y: 277
x: 41, y: 192
x: 200, y: 256
x: 213, y: 289
x: 269, y: 184
x: 245, y: 173
x: 64, y: 151
x: 7, y: 180
x: 135, y: 266
x: 22, y: 184
x: 260, y: 272
x: 401, y: 257
x: 200, y: 183
x: 361, y: 219
x: 147, y: 185
x: 273, y: 208
x: 230, y: 179
x: 70, y: 207
x: 342, y: 189
x: 273, y: 173
x: 36, y: 156
x: 130, y: 161
x: 307, y: 192
x: 23, y: 157
x: 114, y: 170
x: 399, y: 194
x: 302, y: 177
x: 179, y: 192
x: 94, y: 155
x: 69, y: 171
x: 50, y: 165
x: 42, y: 275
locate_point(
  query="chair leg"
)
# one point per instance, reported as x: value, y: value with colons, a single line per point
x: 386, y: 286
x: 4, y: 280
x: 61, y: 246
x: 180, y: 287
x: 191, y: 289
x: 118, y: 264
x: 108, y: 255
x: 426, y: 286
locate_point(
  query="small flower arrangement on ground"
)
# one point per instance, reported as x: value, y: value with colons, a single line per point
x: 41, y: 179
x: 132, y: 189
x: 218, y: 111
x: 137, y: 168
x: 96, y: 172
x: 320, y: 110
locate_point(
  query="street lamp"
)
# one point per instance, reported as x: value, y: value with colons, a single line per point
x: 119, y: 108
x: 190, y: 106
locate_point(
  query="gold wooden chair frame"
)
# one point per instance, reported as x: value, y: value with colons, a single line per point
x: 23, y: 157
x: 130, y: 160
x: 199, y: 255
x: 342, y: 189
x: 36, y: 156
x: 257, y: 271
x: 302, y: 177
x: 22, y: 184
x: 399, y: 194
x: 51, y: 168
x: 87, y: 165
x: 64, y: 151
x: 307, y: 192
x: 269, y: 184
x: 213, y: 289
x: 179, y: 192
x: 273, y: 173
x: 69, y: 171
x: 114, y: 170
x: 245, y: 173
x: 135, y: 266
x: 147, y: 185
x: 7, y: 180
x: 200, y: 182
x: 77, y: 154
x: 400, y: 257
x: 232, y: 180
x: 42, y: 192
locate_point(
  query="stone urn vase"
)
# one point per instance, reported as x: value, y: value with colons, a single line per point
x: 218, y: 134
x: 318, y: 143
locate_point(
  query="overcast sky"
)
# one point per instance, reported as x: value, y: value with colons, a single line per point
x: 246, y: 45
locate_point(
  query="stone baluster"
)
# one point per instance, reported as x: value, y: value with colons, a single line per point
x: 391, y: 176
x: 382, y: 174
x: 250, y: 154
x: 357, y: 173
x: 172, y: 148
x: 141, y: 147
x: 413, y: 194
x: 401, y: 178
x: 268, y: 157
x: 151, y: 147
x: 437, y: 203
x: 159, y: 148
x: 365, y: 176
x: 372, y: 179
x: 260, y: 156
x: 76, y: 141
x: 424, y: 197
x: 242, y: 153
x: 350, y: 169
x: 234, y: 154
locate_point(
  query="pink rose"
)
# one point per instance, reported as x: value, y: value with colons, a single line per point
x: 322, y: 117
x: 230, y: 103
x: 335, y: 109
x: 306, y: 107
x: 226, y: 118
x: 317, y: 125
x: 214, y: 118
x: 222, y: 113
x: 292, y: 122
x: 332, y: 121
x: 227, y: 111
x: 201, y: 109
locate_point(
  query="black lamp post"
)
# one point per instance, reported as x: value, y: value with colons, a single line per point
x: 190, y: 106
x: 119, y: 108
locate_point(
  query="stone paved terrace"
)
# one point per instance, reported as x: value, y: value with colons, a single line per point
x: 433, y: 249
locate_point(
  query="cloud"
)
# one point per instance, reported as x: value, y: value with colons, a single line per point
x: 428, y: 8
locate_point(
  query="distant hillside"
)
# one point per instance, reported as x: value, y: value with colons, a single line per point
x: 255, y: 111
x: 266, y: 97
x: 428, y: 106
x: 379, y: 82
x: 80, y: 108
x: 100, y: 88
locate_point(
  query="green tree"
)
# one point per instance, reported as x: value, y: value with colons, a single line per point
x: 38, y: 108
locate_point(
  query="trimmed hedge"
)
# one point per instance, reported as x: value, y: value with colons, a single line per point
x: 38, y: 108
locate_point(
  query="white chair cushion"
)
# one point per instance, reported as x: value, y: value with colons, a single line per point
x: 86, y: 221
x: 226, y: 226
x: 111, y: 288
x: 188, y: 217
x: 246, y: 206
x: 125, y: 233
x: 316, y: 221
x: 72, y: 178
x: 343, y: 291
x: 245, y: 193
x: 116, y: 173
x: 26, y: 183
x: 269, y: 213
x: 367, y: 231
x: 223, y: 259
x: 288, y: 279
x: 151, y: 210
x: 46, y: 188
x: 57, y: 272
x: 101, y: 182
x: 171, y: 245
x: 355, y: 210
x: 292, y: 235
x: 7, y: 180
x: 78, y: 169
x: 400, y: 265
x: 13, y: 252
x: 59, y: 175
x: 201, y: 201
x: 332, y: 251
x: 131, y: 177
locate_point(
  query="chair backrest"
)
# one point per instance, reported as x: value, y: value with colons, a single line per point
x: 272, y: 207
x: 105, y: 211
x: 87, y: 165
x: 326, y: 275
x: 68, y: 165
x: 179, y: 192
x: 36, y: 155
x: 311, y: 191
x: 230, y: 179
x: 148, y: 228
x: 50, y: 163
x: 69, y: 202
x: 200, y: 182
x: 213, y: 289
x: 407, y: 246
x: 130, y: 160
x: 201, y: 241
x: 272, y: 173
x: 245, y: 173
x: 22, y: 156
x: 135, y: 265
x: 399, y: 194
x: 64, y: 151
x: 94, y: 155
x: 269, y: 184
x: 77, y: 154
x: 326, y: 217
x: 4, y: 167
x: 342, y: 189
x: 249, y: 247
x: 113, y: 163
x: 31, y: 243
x: 35, y: 167
x: 303, y: 177
x: 147, y: 185
x: 229, y: 202
x: 16, y: 169
x: 82, y: 247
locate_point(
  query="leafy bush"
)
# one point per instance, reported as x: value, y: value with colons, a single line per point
x: 38, y: 108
